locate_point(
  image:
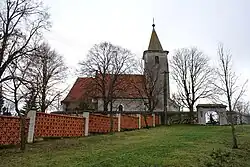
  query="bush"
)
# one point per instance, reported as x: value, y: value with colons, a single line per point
x: 221, y: 158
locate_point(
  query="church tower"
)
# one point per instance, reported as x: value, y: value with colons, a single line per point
x: 156, y: 66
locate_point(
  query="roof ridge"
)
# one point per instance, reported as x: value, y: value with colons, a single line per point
x: 126, y: 74
x: 83, y: 77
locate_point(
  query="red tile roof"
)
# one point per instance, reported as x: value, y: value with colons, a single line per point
x: 79, y: 89
x: 128, y: 86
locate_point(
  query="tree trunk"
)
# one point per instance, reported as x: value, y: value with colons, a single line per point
x: 241, y: 121
x: 111, y: 118
x: 191, y: 115
x: 44, y: 81
x: 145, y: 119
x: 23, y: 135
x: 105, y: 106
x: 235, y: 143
x: 111, y: 123
x: 43, y: 105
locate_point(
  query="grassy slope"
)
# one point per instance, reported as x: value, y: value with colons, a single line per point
x: 168, y: 146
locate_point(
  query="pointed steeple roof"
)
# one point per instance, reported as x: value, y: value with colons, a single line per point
x: 154, y: 43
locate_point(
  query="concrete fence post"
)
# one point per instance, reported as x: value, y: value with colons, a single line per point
x: 86, y: 126
x: 153, y: 115
x: 119, y: 122
x: 139, y: 121
x: 31, y: 132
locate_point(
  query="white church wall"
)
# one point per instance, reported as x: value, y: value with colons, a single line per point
x: 129, y: 105
x: 133, y: 105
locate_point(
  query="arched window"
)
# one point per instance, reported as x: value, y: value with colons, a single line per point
x: 157, y: 60
x: 120, y: 108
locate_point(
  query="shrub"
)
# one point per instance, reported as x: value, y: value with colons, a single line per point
x: 221, y: 158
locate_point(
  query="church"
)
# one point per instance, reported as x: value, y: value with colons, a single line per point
x: 129, y: 100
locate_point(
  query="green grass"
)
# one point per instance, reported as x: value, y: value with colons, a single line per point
x: 164, y: 146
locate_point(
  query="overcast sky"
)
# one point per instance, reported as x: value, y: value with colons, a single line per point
x: 79, y: 24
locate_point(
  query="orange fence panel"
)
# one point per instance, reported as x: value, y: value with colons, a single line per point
x: 54, y: 125
x: 99, y: 123
x: 129, y: 122
x: 10, y: 130
x: 149, y: 120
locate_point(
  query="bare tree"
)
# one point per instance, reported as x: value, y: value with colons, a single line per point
x: 21, y: 23
x: 17, y: 91
x: 148, y: 88
x: 178, y: 100
x: 107, y: 62
x: 242, y: 108
x: 227, y: 86
x: 192, y: 73
x: 47, y: 72
x: 9, y: 108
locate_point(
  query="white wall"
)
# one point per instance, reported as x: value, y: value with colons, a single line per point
x: 130, y: 105
x: 221, y: 112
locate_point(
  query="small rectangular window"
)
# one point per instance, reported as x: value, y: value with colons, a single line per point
x: 156, y: 59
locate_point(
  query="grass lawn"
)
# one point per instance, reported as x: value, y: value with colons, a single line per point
x: 163, y: 146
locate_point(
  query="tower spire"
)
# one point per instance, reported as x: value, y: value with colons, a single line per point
x: 154, y: 43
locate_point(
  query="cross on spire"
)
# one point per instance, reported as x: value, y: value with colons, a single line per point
x: 153, y: 23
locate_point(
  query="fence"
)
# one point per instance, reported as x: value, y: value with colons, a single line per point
x: 10, y: 130
x: 50, y: 125
x: 40, y: 125
x: 129, y: 122
x: 99, y: 123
